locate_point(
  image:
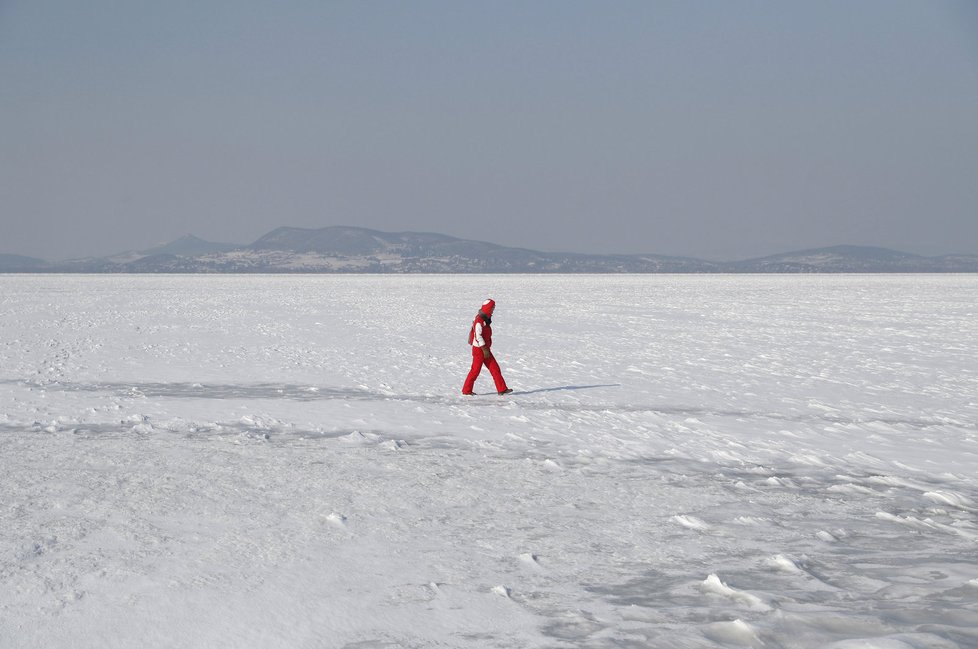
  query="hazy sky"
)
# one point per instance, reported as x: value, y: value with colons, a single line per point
x: 721, y: 129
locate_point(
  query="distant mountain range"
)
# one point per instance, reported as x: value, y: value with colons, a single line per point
x: 342, y: 249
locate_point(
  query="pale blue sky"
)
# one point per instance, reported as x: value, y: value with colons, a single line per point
x: 719, y: 129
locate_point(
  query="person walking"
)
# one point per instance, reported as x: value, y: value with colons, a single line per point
x: 480, y: 340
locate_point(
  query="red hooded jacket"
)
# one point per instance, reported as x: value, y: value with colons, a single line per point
x: 480, y: 335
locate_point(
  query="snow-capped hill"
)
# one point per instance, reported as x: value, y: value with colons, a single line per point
x: 354, y: 249
x: 854, y: 259
x: 346, y: 249
x: 335, y: 240
x: 20, y: 263
x: 959, y: 263
x: 188, y: 246
x: 353, y: 241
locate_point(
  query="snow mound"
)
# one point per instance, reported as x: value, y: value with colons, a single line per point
x: 736, y: 633
x: 713, y: 586
x: 693, y: 523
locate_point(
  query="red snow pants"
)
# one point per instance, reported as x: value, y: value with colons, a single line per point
x: 478, y: 360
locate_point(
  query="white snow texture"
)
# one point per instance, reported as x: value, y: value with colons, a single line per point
x: 687, y: 462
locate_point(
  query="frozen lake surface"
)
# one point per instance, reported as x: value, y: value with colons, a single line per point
x: 688, y: 461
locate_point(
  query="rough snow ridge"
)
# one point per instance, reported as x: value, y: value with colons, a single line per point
x: 713, y: 586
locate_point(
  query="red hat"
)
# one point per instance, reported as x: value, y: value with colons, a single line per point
x: 488, y: 306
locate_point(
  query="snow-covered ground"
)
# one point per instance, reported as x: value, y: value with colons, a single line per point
x: 688, y: 461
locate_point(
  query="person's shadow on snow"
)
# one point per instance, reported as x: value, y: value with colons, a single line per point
x: 570, y: 387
